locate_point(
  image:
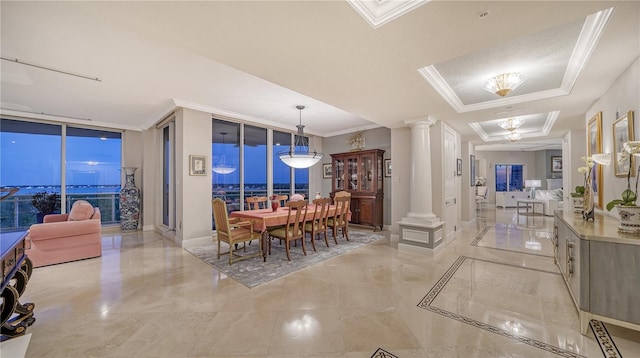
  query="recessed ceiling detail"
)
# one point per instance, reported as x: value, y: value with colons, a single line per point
x: 379, y: 12
x: 552, y: 60
x: 491, y: 131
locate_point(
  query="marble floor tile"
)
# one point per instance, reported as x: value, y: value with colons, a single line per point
x: 147, y: 297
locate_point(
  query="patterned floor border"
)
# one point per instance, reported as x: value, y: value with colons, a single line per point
x: 484, y: 231
x: 609, y: 349
x: 381, y: 353
x: 425, y: 303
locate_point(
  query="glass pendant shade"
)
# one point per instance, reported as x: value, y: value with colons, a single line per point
x: 299, y: 155
x: 513, y: 136
x: 511, y: 124
x: 504, y: 83
x: 220, y: 166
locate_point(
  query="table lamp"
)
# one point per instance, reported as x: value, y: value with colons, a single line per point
x: 533, y: 184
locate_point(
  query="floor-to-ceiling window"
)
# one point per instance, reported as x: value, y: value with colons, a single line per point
x: 509, y: 177
x: 225, y: 151
x: 93, y: 170
x: 31, y: 155
x: 255, y: 161
x: 301, y: 176
x: 281, y: 171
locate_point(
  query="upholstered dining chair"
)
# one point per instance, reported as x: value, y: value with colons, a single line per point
x: 282, y: 199
x: 256, y: 202
x: 339, y: 219
x: 319, y: 222
x: 481, y: 196
x: 233, y: 233
x: 294, y: 229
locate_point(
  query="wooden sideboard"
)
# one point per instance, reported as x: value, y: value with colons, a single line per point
x: 361, y: 174
x: 601, y: 268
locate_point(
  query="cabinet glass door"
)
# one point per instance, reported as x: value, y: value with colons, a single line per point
x: 338, y: 174
x: 367, y: 173
x: 352, y: 173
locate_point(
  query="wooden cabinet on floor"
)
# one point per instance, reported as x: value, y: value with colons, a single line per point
x: 361, y: 174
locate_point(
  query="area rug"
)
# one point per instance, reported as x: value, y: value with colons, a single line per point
x: 254, y: 272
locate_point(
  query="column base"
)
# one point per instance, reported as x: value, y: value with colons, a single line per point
x: 425, y: 234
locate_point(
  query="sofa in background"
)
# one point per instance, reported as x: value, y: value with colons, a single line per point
x: 552, y: 200
x: 66, y: 237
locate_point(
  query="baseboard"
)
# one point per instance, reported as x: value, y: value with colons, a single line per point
x: 197, y: 241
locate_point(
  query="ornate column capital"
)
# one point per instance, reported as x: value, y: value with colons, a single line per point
x: 427, y: 121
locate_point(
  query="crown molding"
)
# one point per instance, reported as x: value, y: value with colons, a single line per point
x: 379, y: 12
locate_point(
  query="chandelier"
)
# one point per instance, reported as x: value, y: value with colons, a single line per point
x: 513, y: 136
x: 511, y: 124
x: 504, y: 83
x: 220, y: 166
x: 299, y: 154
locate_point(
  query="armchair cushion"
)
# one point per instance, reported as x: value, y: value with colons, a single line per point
x: 552, y: 200
x: 81, y: 210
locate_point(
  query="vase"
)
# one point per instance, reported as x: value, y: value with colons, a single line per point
x: 587, y: 204
x: 129, y: 201
x: 274, y: 205
x: 629, y: 217
x: 318, y: 196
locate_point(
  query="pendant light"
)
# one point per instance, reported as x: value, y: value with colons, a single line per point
x: 299, y: 154
x: 220, y: 166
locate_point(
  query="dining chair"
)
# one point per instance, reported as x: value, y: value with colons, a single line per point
x: 339, y: 219
x: 294, y: 228
x: 341, y: 193
x: 282, y: 199
x: 256, y: 202
x: 233, y: 233
x: 319, y: 222
x: 481, y: 196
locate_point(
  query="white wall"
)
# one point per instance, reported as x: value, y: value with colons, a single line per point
x: 132, y: 152
x: 400, y: 192
x: 468, y: 192
x: 621, y: 97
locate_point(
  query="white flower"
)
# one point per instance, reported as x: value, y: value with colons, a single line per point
x: 583, y: 170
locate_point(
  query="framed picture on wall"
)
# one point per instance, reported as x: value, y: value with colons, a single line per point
x: 387, y: 167
x: 197, y: 165
x: 458, y: 166
x: 326, y: 171
x: 472, y: 170
x: 622, y: 129
x: 556, y: 164
x: 594, y: 146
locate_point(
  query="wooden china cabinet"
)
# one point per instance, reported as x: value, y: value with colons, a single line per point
x: 360, y: 173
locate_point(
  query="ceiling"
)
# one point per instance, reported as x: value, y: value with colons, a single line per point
x: 255, y: 61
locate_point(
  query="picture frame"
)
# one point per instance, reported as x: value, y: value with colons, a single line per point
x: 556, y: 164
x: 327, y: 171
x: 472, y: 170
x: 387, y: 168
x: 594, y: 146
x: 458, y: 167
x: 197, y: 165
x: 622, y: 129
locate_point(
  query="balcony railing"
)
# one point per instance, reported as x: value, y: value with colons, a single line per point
x: 17, y: 212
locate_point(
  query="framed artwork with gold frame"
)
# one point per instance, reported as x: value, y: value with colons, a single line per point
x: 594, y: 146
x: 622, y: 129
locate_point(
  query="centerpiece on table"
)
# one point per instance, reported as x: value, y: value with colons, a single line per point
x: 588, y: 199
x: 628, y: 211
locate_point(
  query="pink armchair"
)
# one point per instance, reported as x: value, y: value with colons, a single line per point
x: 66, y: 237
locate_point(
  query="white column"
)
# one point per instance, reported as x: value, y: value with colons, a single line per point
x: 421, y: 199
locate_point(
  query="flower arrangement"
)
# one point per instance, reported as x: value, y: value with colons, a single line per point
x: 481, y: 181
x: 628, y: 196
x: 586, y: 170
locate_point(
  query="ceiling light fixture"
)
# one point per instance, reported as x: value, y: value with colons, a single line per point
x: 220, y: 166
x: 513, y: 136
x: 299, y: 154
x: 504, y: 83
x: 511, y: 124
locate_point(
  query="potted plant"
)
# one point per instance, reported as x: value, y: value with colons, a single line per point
x: 45, y: 203
x: 579, y: 192
x: 628, y: 211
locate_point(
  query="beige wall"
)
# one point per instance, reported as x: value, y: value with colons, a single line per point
x: 621, y: 97
x: 132, y: 156
x: 467, y: 192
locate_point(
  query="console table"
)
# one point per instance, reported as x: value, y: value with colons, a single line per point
x: 16, y: 271
x: 530, y: 203
x: 601, y: 268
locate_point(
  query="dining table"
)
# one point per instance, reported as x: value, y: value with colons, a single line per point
x: 263, y: 219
